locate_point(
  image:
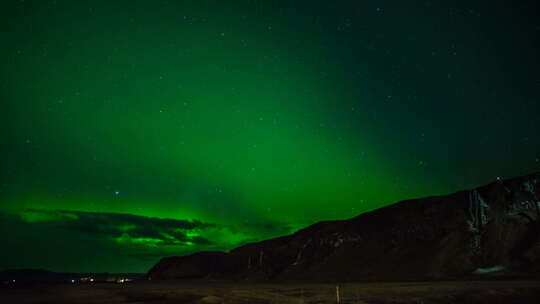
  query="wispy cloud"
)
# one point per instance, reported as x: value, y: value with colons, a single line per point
x: 123, y: 228
x: 96, y: 241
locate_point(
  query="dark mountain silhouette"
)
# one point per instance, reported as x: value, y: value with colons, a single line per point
x: 493, y: 230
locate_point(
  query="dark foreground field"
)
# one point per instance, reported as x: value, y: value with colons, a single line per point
x: 182, y: 292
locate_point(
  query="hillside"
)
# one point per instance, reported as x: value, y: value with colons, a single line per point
x: 493, y: 230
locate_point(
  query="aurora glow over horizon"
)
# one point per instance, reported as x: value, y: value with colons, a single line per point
x: 134, y: 130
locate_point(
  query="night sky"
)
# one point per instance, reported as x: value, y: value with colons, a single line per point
x: 134, y: 130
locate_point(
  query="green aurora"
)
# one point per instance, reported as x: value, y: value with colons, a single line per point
x: 134, y: 130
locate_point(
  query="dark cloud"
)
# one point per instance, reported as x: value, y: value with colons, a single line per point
x: 52, y: 245
x: 126, y: 228
x: 64, y: 240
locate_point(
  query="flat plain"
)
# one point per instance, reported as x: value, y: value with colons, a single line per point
x: 169, y: 292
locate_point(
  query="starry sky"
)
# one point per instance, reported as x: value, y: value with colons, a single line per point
x: 135, y: 130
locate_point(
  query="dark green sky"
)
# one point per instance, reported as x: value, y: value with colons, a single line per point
x: 133, y: 130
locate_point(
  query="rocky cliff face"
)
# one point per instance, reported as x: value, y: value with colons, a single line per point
x: 490, y: 230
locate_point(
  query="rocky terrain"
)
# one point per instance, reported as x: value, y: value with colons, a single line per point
x: 489, y: 231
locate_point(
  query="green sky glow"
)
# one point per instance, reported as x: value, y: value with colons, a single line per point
x: 252, y: 119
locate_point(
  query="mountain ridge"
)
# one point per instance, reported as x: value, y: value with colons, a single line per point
x: 488, y: 230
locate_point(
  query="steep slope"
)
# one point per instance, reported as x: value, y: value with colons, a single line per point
x: 492, y: 229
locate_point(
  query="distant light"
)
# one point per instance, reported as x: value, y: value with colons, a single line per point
x: 72, y: 281
x: 91, y: 280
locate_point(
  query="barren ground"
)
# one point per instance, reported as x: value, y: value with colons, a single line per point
x: 236, y: 293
